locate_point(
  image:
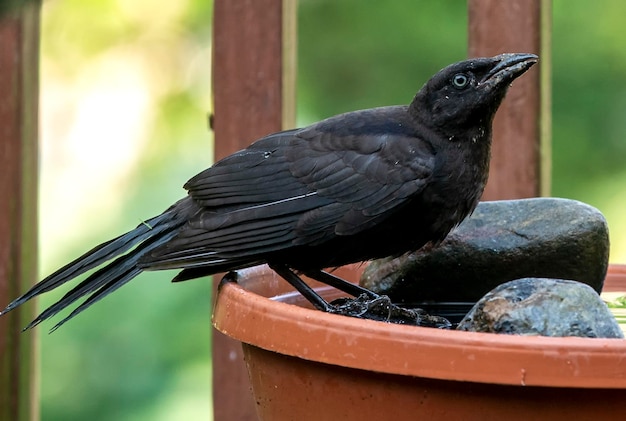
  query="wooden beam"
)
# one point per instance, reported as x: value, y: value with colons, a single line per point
x: 254, y: 95
x: 520, y: 164
x: 248, y: 77
x: 19, y: 88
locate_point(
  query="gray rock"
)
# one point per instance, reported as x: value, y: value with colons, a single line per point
x: 547, y: 307
x: 501, y: 241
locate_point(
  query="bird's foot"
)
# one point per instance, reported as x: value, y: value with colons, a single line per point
x: 366, y: 305
x: 382, y: 309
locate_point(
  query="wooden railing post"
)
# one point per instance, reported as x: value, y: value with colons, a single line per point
x: 520, y: 163
x: 253, y: 94
x: 19, y: 89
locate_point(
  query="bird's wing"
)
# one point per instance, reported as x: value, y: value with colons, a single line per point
x: 367, y: 174
x: 255, y: 175
x: 295, y: 188
x: 249, y: 203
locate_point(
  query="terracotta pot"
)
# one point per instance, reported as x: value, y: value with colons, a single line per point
x: 309, y: 365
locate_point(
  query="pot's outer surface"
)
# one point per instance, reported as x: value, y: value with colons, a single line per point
x: 419, y: 372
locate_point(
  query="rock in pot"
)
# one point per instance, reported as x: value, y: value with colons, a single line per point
x: 500, y: 242
x: 546, y: 307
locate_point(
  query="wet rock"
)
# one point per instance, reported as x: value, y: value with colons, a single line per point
x: 547, y: 307
x: 501, y: 241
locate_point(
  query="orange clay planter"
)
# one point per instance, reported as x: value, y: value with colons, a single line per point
x: 309, y: 365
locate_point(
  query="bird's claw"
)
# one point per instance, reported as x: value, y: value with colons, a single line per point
x: 382, y: 309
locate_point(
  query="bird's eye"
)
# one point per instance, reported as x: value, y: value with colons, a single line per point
x: 460, y: 80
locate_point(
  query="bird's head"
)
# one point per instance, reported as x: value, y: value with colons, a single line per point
x: 468, y: 93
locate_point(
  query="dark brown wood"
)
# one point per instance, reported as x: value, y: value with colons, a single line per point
x: 520, y: 153
x: 19, y: 59
x: 253, y: 96
x: 247, y: 72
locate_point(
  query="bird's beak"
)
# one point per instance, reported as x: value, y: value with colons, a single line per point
x: 507, y: 68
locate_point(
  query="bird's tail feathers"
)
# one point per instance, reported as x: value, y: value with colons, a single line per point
x: 144, y: 238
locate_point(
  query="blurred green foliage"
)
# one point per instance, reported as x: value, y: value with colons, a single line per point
x: 355, y: 55
x: 144, y: 353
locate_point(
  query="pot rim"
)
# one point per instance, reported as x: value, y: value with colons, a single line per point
x: 274, y: 325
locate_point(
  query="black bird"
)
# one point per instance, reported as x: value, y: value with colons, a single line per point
x: 353, y: 187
